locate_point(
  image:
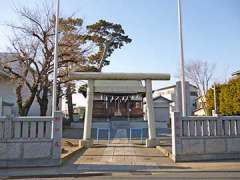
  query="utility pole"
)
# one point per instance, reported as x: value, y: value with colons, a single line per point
x: 182, y: 71
x: 54, y: 93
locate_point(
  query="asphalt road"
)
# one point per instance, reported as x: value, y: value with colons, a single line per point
x: 146, y: 176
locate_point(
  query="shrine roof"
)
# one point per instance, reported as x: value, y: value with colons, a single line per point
x: 119, y: 86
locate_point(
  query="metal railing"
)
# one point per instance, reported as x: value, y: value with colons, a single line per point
x: 131, y: 130
x: 104, y: 129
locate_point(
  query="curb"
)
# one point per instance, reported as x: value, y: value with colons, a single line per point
x: 112, y: 174
x: 59, y: 175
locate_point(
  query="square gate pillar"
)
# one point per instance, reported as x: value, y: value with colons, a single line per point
x: 87, y: 141
x: 151, y: 141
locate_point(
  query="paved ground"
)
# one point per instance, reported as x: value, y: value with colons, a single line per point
x: 129, y: 161
x: 120, y: 155
x: 162, y: 175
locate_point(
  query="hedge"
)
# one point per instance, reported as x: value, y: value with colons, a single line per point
x: 228, y: 98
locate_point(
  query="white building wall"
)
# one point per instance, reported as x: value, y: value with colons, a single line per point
x: 171, y: 93
x: 161, y: 111
x: 8, y: 94
x: 78, y: 99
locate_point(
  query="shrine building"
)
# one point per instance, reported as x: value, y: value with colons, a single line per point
x: 118, y: 99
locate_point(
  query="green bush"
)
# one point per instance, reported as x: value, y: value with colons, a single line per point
x: 228, y: 98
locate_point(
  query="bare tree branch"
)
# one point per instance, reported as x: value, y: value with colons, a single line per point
x: 200, y: 74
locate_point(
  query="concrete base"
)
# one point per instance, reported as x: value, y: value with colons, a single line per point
x: 29, y: 163
x: 152, y: 142
x: 86, y: 143
x: 205, y: 157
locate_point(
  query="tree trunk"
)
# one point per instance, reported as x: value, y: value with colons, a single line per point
x: 58, y: 97
x: 43, y: 101
x: 69, y: 102
x: 24, y: 107
x: 42, y: 96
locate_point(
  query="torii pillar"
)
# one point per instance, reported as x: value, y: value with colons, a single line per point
x: 151, y: 141
x: 87, y: 141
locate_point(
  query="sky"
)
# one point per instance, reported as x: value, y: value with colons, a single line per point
x: 211, y: 32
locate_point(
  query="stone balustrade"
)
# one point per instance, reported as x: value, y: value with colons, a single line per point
x: 211, y: 126
x: 30, y: 141
x: 31, y: 128
x: 2, y: 120
x: 197, y: 138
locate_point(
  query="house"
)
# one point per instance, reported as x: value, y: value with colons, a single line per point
x: 161, y: 106
x: 8, y: 103
x: 199, y: 111
x: 173, y: 93
x: 236, y: 74
x: 6, y: 94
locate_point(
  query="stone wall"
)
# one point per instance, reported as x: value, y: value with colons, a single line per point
x: 205, y: 138
x: 29, y: 141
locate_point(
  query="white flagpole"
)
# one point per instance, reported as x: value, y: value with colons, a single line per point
x: 54, y: 93
x: 182, y: 71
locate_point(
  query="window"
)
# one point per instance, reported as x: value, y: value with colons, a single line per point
x: 193, y: 93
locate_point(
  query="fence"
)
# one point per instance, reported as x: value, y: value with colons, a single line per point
x: 99, y: 130
x: 30, y: 141
x: 205, y: 138
x: 211, y: 126
x: 136, y: 130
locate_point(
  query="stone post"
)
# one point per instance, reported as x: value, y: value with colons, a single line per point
x: 214, y: 113
x: 178, y: 101
x: 1, y: 106
x: 57, y: 135
x: 220, y: 130
x: 87, y: 141
x: 189, y: 109
x: 176, y: 135
x: 8, y: 129
x: 151, y: 141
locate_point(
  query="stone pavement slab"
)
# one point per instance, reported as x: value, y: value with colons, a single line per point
x: 135, y: 158
x: 120, y: 152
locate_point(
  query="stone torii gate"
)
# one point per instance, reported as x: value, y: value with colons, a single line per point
x: 91, y: 76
